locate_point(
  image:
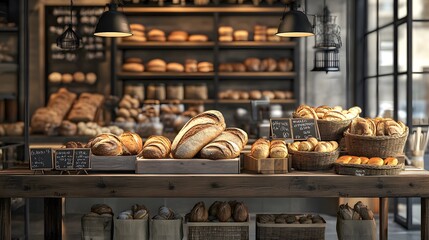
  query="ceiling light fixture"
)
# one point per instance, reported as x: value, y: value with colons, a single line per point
x: 113, y: 23
x: 294, y: 23
x: 69, y: 40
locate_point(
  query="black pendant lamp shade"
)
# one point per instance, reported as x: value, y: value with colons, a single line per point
x: 69, y: 40
x: 294, y: 23
x: 112, y: 23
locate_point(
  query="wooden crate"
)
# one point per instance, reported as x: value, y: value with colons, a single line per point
x: 266, y: 165
x: 195, y: 166
x: 217, y: 230
x: 113, y: 163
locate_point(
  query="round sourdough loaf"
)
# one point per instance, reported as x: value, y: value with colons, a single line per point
x: 156, y: 147
x: 132, y: 143
x: 197, y: 133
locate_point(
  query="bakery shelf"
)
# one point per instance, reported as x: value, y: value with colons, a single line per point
x: 164, y: 45
x: 190, y: 101
x: 201, y: 9
x: 163, y: 75
x: 243, y: 101
x: 256, y: 45
x: 257, y: 75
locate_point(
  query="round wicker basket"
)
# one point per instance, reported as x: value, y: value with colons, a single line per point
x: 332, y: 130
x: 313, y: 161
x: 367, y: 170
x: 375, y: 146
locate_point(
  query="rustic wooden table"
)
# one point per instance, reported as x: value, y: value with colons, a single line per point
x: 410, y: 183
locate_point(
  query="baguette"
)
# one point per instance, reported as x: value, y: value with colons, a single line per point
x: 196, y: 133
x: 227, y: 145
x: 278, y: 149
x: 260, y: 149
x: 156, y: 147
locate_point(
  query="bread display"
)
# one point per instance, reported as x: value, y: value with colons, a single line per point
x: 85, y: 108
x: 231, y: 211
x: 260, y: 148
x: 256, y: 65
x: 289, y: 219
x: 156, y: 147
x: 377, y: 127
x: 254, y: 94
x: 156, y: 35
x: 327, y: 113
x: 93, y: 129
x: 106, y: 144
x: 132, y: 143
x: 278, y: 149
x: 197, y: 133
x: 313, y: 145
x: 375, y: 161
x: 227, y: 145
x: 156, y: 65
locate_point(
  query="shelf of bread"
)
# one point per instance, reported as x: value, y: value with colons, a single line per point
x: 162, y: 75
x: 257, y: 44
x: 189, y: 101
x: 184, y: 10
x: 257, y: 74
x: 247, y: 101
x: 153, y: 44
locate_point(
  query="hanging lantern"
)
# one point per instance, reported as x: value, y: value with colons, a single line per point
x: 69, y: 40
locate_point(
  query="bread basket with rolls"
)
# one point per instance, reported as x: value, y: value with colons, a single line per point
x: 331, y: 121
x: 379, y: 137
x: 363, y: 166
x: 313, y: 155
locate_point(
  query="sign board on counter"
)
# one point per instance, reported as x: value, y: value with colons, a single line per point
x: 64, y: 159
x: 41, y: 159
x: 82, y: 160
x: 294, y: 128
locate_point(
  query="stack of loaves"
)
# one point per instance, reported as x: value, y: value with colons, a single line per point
x: 260, y: 33
x: 156, y: 35
x: 264, y: 148
x: 313, y: 145
x: 133, y: 65
x: 271, y: 35
x: 377, y: 127
x: 324, y: 112
x: 85, y: 108
x: 225, y: 34
x: 138, y: 31
x: 107, y: 144
x: 129, y: 109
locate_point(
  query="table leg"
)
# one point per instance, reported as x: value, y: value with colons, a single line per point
x: 5, y: 219
x: 384, y: 217
x: 53, y: 218
x: 425, y: 219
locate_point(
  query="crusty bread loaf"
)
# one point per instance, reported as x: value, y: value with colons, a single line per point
x: 132, y: 143
x: 260, y: 148
x: 226, y: 145
x: 197, y: 132
x: 106, y: 144
x: 278, y: 149
x: 156, y: 147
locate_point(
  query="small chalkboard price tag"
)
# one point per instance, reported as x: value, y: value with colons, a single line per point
x: 304, y: 128
x: 41, y: 159
x: 280, y: 128
x: 82, y: 159
x: 64, y: 159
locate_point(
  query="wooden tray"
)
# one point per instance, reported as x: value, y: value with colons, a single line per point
x: 266, y: 165
x: 113, y: 163
x: 195, y: 166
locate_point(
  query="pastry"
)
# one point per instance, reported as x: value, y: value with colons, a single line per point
x: 175, y: 67
x: 132, y: 143
x: 278, y: 149
x: 260, y: 149
x: 156, y: 65
x: 156, y: 147
x: 362, y: 126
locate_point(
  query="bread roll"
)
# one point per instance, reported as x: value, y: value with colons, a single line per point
x: 67, y: 128
x: 178, y: 36
x: 334, y: 116
x: 391, y: 161
x: 191, y: 65
x: 268, y: 94
x: 135, y: 38
x: 239, y: 67
x: 132, y: 143
x: 278, y: 149
x: 355, y: 160
x: 106, y: 145
x: 226, y: 38
x: 259, y: 38
x: 55, y: 77
x: 79, y: 77
x: 198, y: 38
x: 260, y: 149
x: 306, y: 112
x: 134, y: 60
x: 361, y: 126
x: 67, y: 78
x: 227, y: 145
x: 376, y: 161
x: 241, y: 35
x: 137, y: 26
x: 91, y: 78
x: 156, y: 65
x: 271, y: 31
x: 175, y: 67
x: 156, y: 35
x: 225, y: 31
x: 132, y: 67
x: 255, y: 94
x: 268, y: 65
x: 244, y: 95
x: 196, y: 133
x: 285, y: 65
x: 123, y: 112
x: 306, y: 146
x: 344, y: 159
x: 252, y: 64
x: 156, y: 147
x: 226, y: 67
x: 205, y: 67
x: 364, y: 160
x: 313, y: 140
x: 293, y: 146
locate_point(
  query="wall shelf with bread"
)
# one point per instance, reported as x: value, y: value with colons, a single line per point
x: 166, y: 45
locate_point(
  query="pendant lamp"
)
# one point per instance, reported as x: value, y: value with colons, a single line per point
x: 69, y: 40
x: 294, y: 23
x: 112, y: 23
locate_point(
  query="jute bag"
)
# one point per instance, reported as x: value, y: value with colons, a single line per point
x: 97, y: 227
x: 356, y: 229
x: 166, y: 229
x: 131, y: 229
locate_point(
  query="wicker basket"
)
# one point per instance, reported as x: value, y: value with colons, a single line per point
x: 131, y: 229
x: 217, y: 230
x: 313, y: 161
x: 97, y: 227
x: 367, y: 170
x: 375, y: 146
x: 270, y: 231
x: 166, y: 229
x: 332, y: 130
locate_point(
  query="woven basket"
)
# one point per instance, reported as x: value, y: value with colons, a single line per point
x: 97, y: 227
x: 332, y: 130
x: 218, y: 230
x: 367, y: 170
x: 313, y: 161
x: 270, y: 231
x: 375, y: 146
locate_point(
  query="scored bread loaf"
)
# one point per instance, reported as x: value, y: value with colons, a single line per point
x: 260, y: 148
x: 106, y: 144
x: 227, y: 145
x: 156, y: 147
x: 196, y: 133
x: 132, y: 143
x: 278, y: 149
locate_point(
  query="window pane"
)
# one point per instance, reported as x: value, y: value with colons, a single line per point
x: 420, y: 96
x: 371, y: 43
x: 372, y: 14
x: 402, y: 8
x: 402, y: 97
x: 385, y: 61
x: 385, y: 14
x: 420, y: 46
x: 371, y: 98
x: 402, y: 47
x: 386, y: 96
x: 420, y: 9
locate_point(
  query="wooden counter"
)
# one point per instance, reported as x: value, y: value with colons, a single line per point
x: 410, y: 183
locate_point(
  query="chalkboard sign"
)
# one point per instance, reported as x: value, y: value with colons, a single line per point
x: 41, y: 159
x: 280, y: 128
x: 304, y: 128
x: 82, y: 159
x: 64, y: 159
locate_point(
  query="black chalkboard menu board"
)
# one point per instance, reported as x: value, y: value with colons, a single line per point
x: 82, y: 158
x: 294, y: 128
x: 64, y: 159
x: 41, y: 159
